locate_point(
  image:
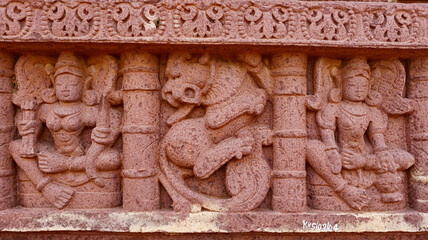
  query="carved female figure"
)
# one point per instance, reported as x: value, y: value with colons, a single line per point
x: 352, y: 155
x: 67, y: 166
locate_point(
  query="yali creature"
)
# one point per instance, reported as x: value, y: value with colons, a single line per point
x: 233, y: 92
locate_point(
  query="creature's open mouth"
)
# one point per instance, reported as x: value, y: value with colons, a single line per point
x: 180, y: 114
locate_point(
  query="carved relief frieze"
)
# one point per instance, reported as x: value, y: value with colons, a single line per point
x: 222, y: 133
x: 233, y: 93
x: 352, y: 165
x: 69, y: 122
x: 282, y: 22
x: 237, y: 111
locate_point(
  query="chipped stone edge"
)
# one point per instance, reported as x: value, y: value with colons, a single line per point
x: 203, y: 222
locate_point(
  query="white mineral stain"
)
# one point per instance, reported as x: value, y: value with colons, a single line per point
x: 208, y: 222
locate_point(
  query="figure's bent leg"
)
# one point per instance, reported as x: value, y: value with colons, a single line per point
x: 109, y: 160
x: 317, y: 159
x: 57, y: 194
x: 215, y: 157
x: 388, y: 183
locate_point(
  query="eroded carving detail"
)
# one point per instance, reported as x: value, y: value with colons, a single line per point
x: 68, y: 130
x: 16, y: 19
x: 70, y: 19
x: 128, y: 20
x: 359, y: 167
x: 198, y: 22
x: 293, y: 21
x: 232, y: 93
x: 271, y: 23
x: 393, y: 26
x: 329, y: 24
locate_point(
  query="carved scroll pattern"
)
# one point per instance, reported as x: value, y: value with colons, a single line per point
x: 197, y: 22
x: 132, y: 20
x: 330, y: 24
x: 391, y: 26
x: 231, y: 21
x: 277, y: 22
x: 70, y: 19
x: 16, y: 19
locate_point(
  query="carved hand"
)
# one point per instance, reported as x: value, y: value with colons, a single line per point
x: 335, y: 160
x: 102, y: 135
x: 28, y: 105
x: 58, y: 194
x: 385, y: 162
x: 29, y: 127
x: 353, y: 160
x: 52, y: 162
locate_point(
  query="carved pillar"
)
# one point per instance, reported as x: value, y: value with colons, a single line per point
x: 7, y: 189
x: 140, y: 131
x: 289, y: 124
x: 418, y: 133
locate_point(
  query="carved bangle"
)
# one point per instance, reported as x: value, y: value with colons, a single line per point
x: 331, y: 148
x: 381, y: 149
x: 42, y: 184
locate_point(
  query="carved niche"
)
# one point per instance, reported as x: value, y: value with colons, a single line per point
x: 216, y: 127
x: 227, y: 133
x: 68, y: 119
x: 352, y: 164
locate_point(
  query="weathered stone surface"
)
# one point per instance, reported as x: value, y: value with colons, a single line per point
x: 253, y: 118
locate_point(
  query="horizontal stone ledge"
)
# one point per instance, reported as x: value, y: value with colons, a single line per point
x: 281, y: 22
x: 88, y: 48
x: 120, y: 221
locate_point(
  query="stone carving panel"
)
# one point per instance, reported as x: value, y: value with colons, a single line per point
x: 231, y: 93
x: 351, y: 165
x: 69, y: 122
x: 218, y: 133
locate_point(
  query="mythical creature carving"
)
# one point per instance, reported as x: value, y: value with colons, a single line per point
x: 233, y: 92
x: 352, y: 156
x: 72, y: 162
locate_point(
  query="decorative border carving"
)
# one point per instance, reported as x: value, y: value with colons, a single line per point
x: 213, y: 21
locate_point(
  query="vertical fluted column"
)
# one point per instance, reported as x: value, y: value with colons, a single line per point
x: 289, y: 124
x: 140, y: 131
x: 7, y: 170
x: 418, y: 133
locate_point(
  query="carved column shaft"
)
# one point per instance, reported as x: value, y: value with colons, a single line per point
x: 289, y: 124
x: 140, y: 131
x: 7, y: 112
x: 418, y: 133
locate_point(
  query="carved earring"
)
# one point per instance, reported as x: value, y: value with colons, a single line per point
x: 335, y: 94
x: 48, y: 94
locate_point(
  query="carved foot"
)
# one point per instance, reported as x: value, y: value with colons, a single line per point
x: 58, y: 195
x: 391, y: 197
x: 355, y: 197
x: 244, y: 144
